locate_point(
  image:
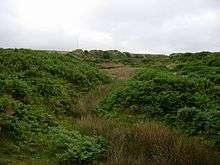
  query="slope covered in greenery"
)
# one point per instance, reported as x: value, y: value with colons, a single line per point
x: 115, y: 56
x: 63, y: 108
x: 36, y: 90
x: 184, y: 93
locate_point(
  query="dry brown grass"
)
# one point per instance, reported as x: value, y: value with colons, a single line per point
x: 87, y: 104
x: 120, y: 73
x: 149, y: 143
x: 110, y: 65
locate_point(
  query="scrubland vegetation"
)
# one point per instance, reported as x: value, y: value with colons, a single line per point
x: 181, y: 96
x: 109, y: 107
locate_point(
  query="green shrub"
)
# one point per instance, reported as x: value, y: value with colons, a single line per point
x: 72, y: 147
x: 186, y: 102
x: 203, y: 64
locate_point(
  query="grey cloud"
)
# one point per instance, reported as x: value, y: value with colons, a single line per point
x: 158, y: 26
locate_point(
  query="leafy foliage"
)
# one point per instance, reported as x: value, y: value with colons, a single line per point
x: 71, y: 146
x: 175, y: 94
x: 36, y: 89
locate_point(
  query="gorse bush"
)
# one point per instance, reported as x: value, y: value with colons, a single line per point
x: 28, y: 63
x: 189, y: 102
x: 204, y: 64
x: 196, y: 121
x: 72, y: 147
x: 36, y: 89
x: 166, y: 91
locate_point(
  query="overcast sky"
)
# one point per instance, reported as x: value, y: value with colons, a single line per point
x: 155, y: 26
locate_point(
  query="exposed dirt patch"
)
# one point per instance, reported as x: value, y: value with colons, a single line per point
x: 120, y: 73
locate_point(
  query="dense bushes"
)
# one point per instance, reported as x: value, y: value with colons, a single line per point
x: 203, y: 64
x: 72, y: 147
x: 181, y: 99
x: 166, y: 91
x: 195, y: 121
x: 115, y: 56
x: 38, y: 87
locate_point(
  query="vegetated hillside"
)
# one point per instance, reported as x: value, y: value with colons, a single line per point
x: 115, y: 56
x: 202, y: 64
x: 185, y: 93
x: 50, y: 111
x: 37, y: 89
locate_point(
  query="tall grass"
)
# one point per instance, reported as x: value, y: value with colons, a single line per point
x: 120, y: 73
x: 146, y: 143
